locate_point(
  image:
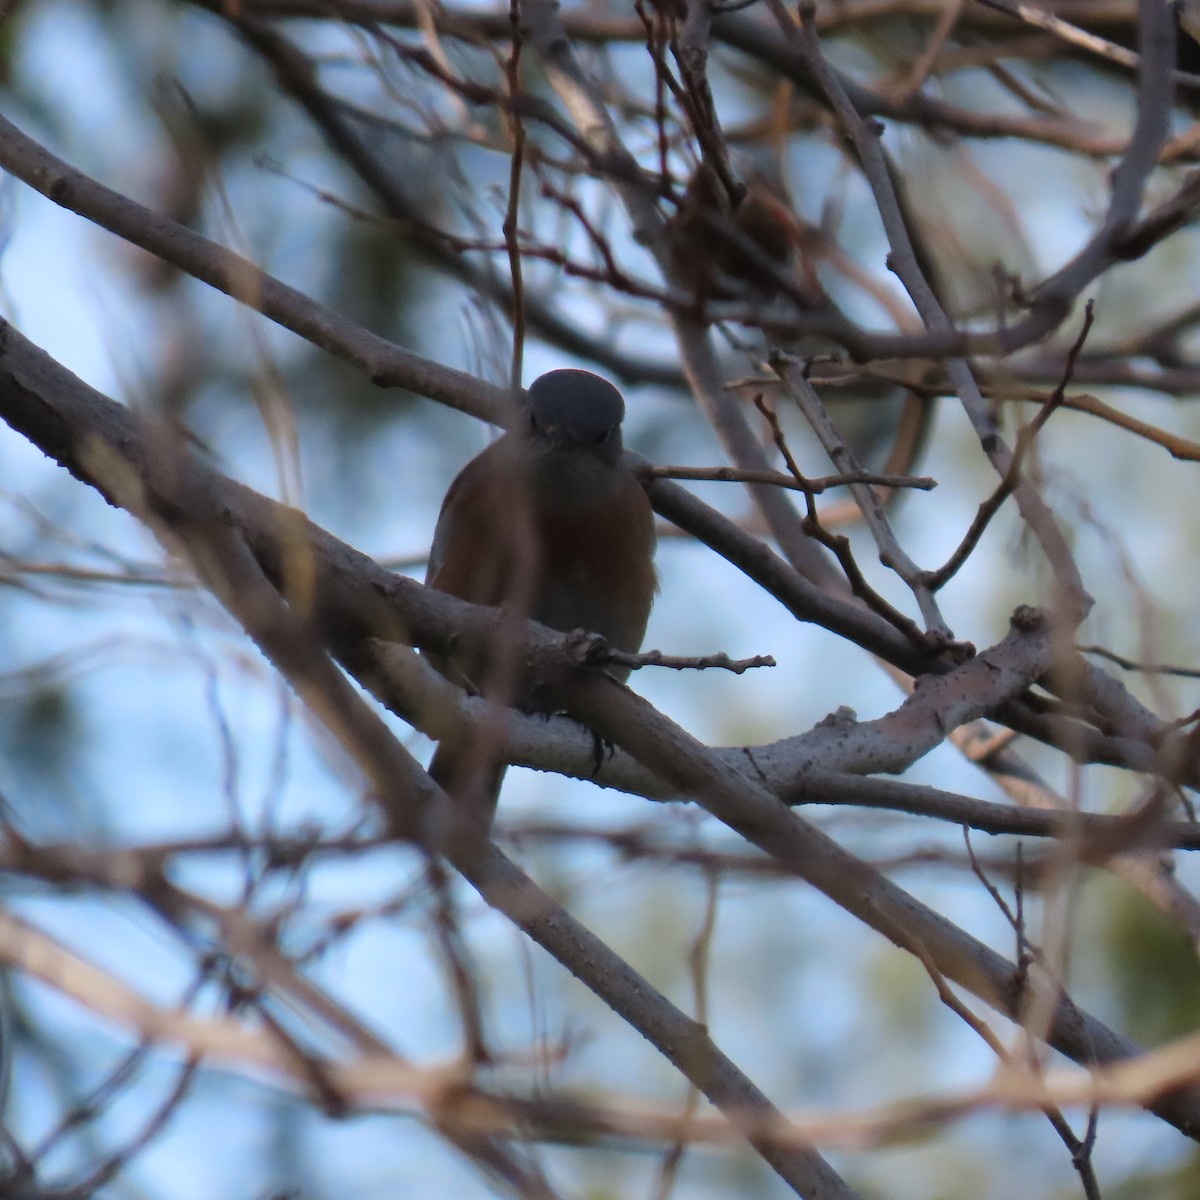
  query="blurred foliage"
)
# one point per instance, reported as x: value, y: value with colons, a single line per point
x: 1181, y: 1182
x: 1155, y: 970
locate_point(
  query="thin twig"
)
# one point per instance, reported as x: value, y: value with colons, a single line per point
x: 1039, y: 18
x: 603, y: 653
x: 927, y: 60
x: 1012, y: 476
x: 838, y: 545
x: 1129, y: 664
x: 512, y: 71
x: 816, y: 485
x: 1026, y: 956
x: 891, y: 553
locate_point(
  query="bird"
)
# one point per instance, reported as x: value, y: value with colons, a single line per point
x: 551, y: 523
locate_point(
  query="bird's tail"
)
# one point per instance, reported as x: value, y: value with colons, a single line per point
x: 471, y: 775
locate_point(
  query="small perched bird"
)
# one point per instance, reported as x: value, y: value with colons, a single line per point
x: 715, y: 263
x: 549, y: 522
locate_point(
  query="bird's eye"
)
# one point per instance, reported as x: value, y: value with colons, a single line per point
x: 602, y: 437
x: 533, y: 422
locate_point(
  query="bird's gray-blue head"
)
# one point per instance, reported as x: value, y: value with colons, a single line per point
x: 576, y: 411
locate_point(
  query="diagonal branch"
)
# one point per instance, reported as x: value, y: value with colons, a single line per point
x: 193, y: 507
